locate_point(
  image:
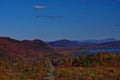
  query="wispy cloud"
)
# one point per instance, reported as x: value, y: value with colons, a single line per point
x: 51, y: 17
x: 40, y: 7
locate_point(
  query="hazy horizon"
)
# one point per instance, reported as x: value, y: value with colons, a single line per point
x: 61, y: 39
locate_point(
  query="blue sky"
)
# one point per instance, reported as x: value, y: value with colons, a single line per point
x: 79, y: 19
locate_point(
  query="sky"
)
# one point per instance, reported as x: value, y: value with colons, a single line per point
x: 60, y: 19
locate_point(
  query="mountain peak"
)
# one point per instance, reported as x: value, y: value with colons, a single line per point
x: 112, y: 39
x: 63, y: 40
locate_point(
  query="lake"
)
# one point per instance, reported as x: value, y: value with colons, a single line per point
x: 104, y: 50
x: 98, y: 50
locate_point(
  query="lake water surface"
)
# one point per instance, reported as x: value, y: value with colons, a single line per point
x: 104, y: 50
x: 99, y: 50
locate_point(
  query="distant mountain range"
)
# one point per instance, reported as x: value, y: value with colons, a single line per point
x: 40, y: 48
x: 98, y: 41
x: 64, y: 43
x: 89, y: 44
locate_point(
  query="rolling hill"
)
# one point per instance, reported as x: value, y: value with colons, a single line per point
x: 108, y: 43
x: 25, y: 47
